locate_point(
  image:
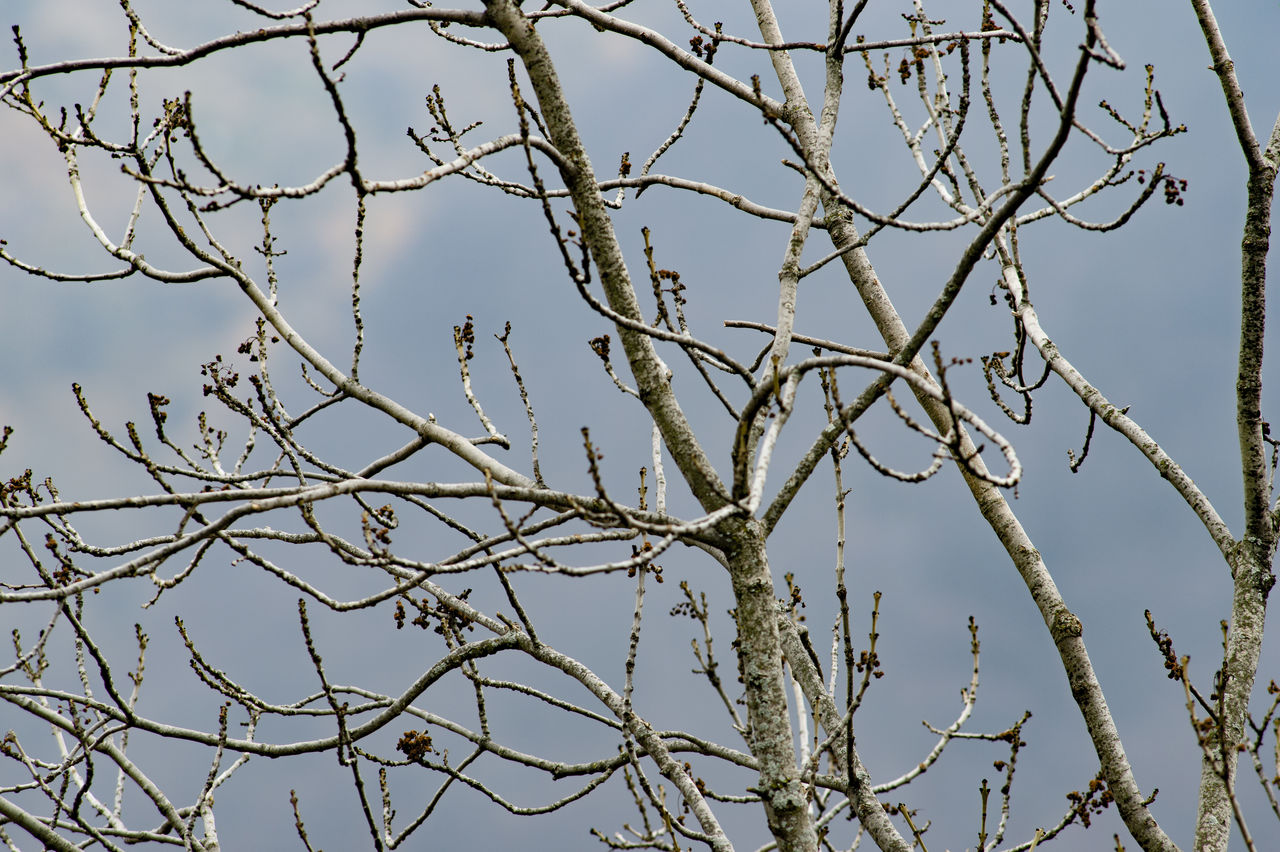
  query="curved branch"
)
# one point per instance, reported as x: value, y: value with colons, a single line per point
x: 1117, y: 419
x: 361, y: 24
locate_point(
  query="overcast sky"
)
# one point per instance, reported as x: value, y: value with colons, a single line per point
x: 1148, y: 313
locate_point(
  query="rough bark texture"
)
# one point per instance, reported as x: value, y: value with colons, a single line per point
x: 816, y: 138
x: 870, y: 812
x: 1064, y: 627
x: 770, y: 735
x: 1251, y: 563
x: 760, y: 651
x: 597, y: 229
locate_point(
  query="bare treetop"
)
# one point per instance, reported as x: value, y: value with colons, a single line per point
x: 422, y: 568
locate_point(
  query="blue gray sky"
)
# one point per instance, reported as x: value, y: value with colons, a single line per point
x: 1148, y: 313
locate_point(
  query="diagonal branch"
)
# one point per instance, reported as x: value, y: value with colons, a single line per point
x: 651, y: 374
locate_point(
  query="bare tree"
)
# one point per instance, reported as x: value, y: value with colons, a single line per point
x: 432, y: 633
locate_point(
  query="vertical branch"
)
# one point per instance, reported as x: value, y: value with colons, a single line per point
x: 464, y: 338
x: 659, y: 473
x: 633, y: 644
x: 1253, y: 277
x: 505, y: 340
x: 358, y: 346
x: 1251, y: 566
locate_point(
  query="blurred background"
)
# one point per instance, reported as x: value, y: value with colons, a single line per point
x: 1148, y: 313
